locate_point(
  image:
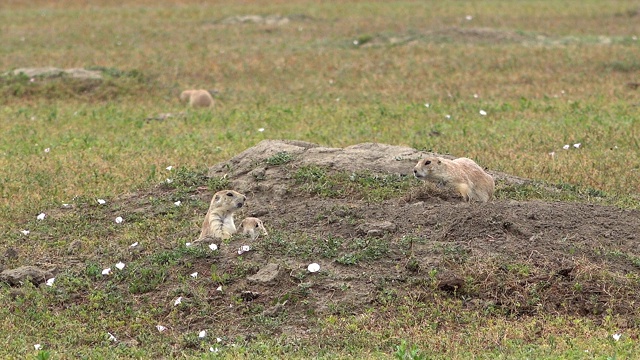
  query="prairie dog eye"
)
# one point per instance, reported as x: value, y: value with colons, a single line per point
x: 229, y: 194
x: 257, y: 225
x: 427, y: 162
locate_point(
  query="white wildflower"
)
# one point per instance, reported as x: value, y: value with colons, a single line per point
x: 194, y: 275
x: 202, y: 334
x: 41, y: 216
x: 161, y: 328
x: 313, y: 267
x: 213, y: 247
x: 120, y: 265
x: 37, y: 346
x: 566, y: 147
x: 25, y: 232
x: 577, y: 145
x: 50, y: 281
x: 101, y: 202
x: 177, y: 301
x: 106, y: 271
x: 169, y: 168
x: 616, y: 337
x: 134, y: 244
x: 119, y: 220
x: 111, y: 337
x: 483, y: 113
x: 177, y: 203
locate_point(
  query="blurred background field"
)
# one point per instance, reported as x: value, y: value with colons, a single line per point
x: 547, y: 73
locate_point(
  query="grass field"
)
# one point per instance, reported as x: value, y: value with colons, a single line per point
x: 545, y: 74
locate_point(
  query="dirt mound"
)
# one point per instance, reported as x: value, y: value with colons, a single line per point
x: 482, y: 35
x: 272, y: 19
x: 382, y: 241
x: 259, y: 161
x: 506, y: 257
x: 51, y: 72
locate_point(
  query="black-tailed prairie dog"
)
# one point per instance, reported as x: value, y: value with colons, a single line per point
x: 197, y: 98
x: 218, y: 223
x: 462, y: 174
x: 253, y: 227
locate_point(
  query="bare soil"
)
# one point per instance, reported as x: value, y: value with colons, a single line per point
x: 505, y: 257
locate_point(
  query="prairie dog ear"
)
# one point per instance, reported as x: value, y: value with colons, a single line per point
x: 439, y: 161
x: 216, y: 198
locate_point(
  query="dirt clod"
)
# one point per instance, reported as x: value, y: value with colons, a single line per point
x: 20, y: 275
x: 266, y: 275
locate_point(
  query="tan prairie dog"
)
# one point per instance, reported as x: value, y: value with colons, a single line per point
x: 253, y: 227
x: 197, y: 98
x: 463, y: 174
x: 218, y: 223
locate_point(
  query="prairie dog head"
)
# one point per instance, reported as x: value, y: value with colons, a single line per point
x: 185, y: 96
x: 227, y: 201
x: 253, y: 227
x: 428, y: 166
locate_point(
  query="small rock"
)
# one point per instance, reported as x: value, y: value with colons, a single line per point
x: 22, y: 274
x: 375, y: 233
x: 267, y: 274
x: 249, y: 295
x: 377, y: 229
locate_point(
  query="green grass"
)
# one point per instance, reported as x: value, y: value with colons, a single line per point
x: 550, y: 73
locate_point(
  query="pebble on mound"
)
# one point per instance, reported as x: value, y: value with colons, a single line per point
x: 197, y: 98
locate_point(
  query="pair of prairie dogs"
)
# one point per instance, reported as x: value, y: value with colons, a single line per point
x: 462, y: 174
x: 219, y: 224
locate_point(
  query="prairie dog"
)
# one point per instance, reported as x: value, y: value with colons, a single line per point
x: 218, y: 223
x: 253, y: 228
x: 197, y: 98
x: 463, y: 174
